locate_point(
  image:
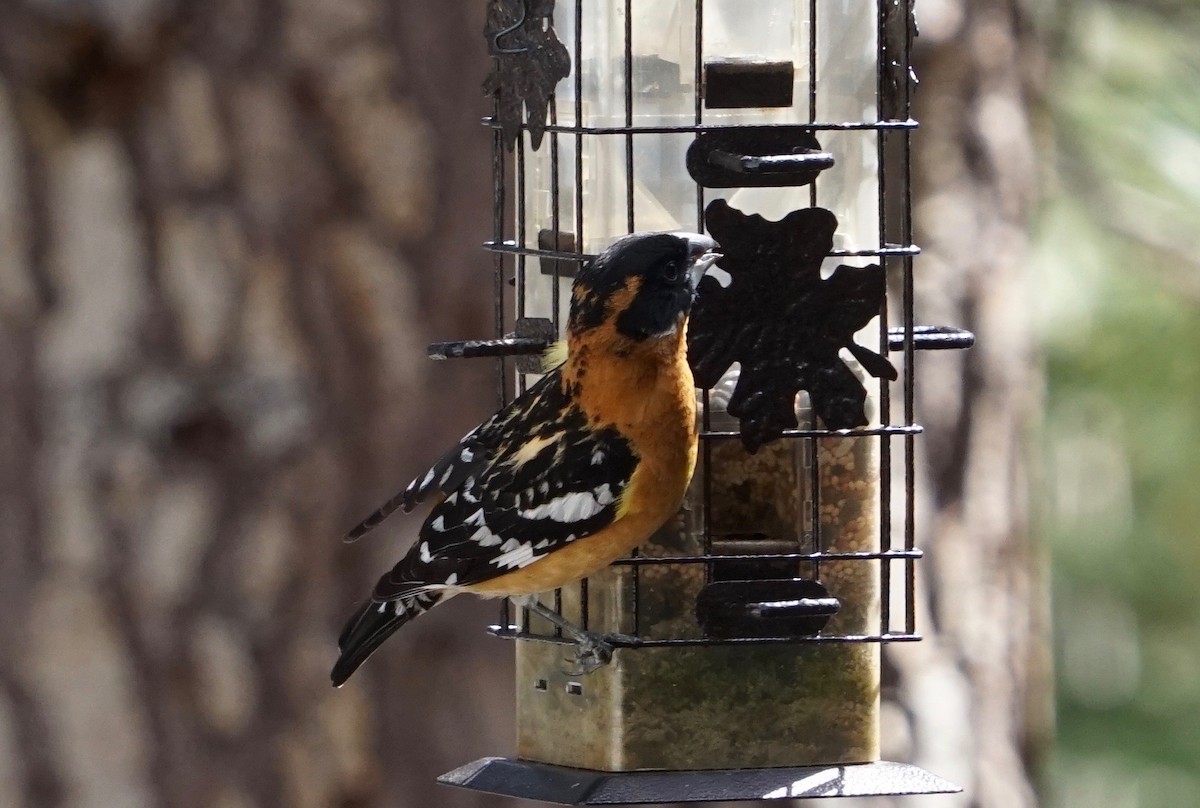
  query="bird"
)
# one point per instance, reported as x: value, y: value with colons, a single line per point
x: 571, y: 475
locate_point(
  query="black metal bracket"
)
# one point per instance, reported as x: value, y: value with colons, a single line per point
x: 757, y: 165
x: 757, y: 157
x: 533, y: 336
x: 932, y: 338
x: 797, y: 607
x: 481, y: 348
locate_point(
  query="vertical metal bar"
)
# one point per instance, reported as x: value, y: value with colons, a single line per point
x: 698, y: 93
x: 555, y: 218
x: 910, y: 619
x: 629, y: 212
x: 522, y: 242
x: 521, y: 278
x: 635, y: 595
x: 906, y: 224
x: 499, y: 192
x: 579, y: 243
x: 706, y: 483
x: 578, y: 69
x: 814, y: 472
x: 635, y: 588
x: 812, y: 61
x: 815, y: 504
x: 812, y: 84
x: 705, y: 403
x: 885, y: 445
x: 555, y: 303
x: 520, y: 234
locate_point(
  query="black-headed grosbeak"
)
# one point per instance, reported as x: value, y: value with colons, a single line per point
x: 573, y: 474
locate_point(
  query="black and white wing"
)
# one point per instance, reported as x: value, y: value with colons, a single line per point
x: 469, y: 456
x: 548, y: 480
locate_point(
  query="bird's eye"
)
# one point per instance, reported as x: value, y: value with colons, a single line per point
x: 671, y: 271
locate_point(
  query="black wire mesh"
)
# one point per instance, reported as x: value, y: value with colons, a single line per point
x: 896, y: 556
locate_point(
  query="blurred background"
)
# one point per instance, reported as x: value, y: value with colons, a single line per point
x: 227, y: 231
x: 1116, y: 281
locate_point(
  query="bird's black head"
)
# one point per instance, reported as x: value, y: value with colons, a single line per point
x: 644, y: 283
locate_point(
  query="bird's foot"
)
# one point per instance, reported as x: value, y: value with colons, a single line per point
x: 594, y: 651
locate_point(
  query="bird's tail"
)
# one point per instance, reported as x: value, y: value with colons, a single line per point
x: 373, y: 623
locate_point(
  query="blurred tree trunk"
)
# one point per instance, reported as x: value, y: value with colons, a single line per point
x: 973, y: 701
x: 216, y: 222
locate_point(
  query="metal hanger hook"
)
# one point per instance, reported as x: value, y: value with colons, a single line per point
x: 496, y: 47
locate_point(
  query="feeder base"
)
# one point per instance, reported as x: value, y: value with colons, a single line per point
x: 566, y: 786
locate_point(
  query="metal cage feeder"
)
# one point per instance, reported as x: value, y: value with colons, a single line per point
x: 755, y: 618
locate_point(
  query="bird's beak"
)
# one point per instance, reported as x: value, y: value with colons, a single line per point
x: 703, y: 252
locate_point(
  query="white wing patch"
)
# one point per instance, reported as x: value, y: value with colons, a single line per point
x: 573, y: 507
x: 515, y: 554
x: 485, y: 537
x: 467, y: 489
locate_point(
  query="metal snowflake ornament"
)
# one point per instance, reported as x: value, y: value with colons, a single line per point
x: 783, y: 322
x: 529, y: 62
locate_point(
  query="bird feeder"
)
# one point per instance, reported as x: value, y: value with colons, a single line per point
x: 750, y: 626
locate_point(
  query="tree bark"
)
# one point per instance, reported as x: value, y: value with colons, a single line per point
x: 227, y: 231
x: 972, y: 702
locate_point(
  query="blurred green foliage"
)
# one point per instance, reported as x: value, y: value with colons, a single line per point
x: 1117, y: 274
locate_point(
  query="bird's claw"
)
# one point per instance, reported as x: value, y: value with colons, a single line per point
x: 589, y: 656
x: 594, y: 651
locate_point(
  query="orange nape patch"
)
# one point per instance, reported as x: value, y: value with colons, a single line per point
x: 584, y: 320
x: 621, y: 298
